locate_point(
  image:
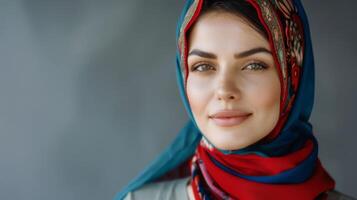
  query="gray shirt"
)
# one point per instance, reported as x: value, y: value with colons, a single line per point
x: 176, y: 190
x: 173, y: 190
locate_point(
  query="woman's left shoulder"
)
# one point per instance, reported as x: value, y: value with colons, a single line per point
x: 336, y: 195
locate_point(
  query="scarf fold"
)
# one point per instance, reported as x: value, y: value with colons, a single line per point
x: 294, y: 176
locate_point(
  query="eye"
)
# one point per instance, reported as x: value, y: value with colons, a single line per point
x: 255, y: 66
x: 202, y: 67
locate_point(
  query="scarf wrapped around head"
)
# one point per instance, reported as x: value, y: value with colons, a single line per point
x: 285, y: 164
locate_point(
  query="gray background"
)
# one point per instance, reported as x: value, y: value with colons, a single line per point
x: 89, y: 95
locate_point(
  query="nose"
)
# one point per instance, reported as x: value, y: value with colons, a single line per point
x: 227, y: 88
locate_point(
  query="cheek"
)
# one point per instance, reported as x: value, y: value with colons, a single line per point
x: 264, y: 95
x: 198, y: 93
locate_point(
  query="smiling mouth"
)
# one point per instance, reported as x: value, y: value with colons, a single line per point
x: 229, y: 121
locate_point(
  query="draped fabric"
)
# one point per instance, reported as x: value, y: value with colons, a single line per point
x: 283, y: 165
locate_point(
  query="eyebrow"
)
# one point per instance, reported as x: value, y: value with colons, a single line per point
x: 243, y: 54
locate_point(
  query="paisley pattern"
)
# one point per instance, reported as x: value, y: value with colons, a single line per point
x: 294, y: 39
x: 182, y: 42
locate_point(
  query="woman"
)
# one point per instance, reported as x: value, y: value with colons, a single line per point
x: 246, y: 75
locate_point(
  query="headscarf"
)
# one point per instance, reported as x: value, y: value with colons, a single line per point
x: 283, y: 165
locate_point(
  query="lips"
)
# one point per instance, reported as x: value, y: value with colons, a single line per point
x: 228, y: 118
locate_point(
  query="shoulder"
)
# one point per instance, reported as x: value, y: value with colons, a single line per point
x: 336, y: 195
x: 174, y: 189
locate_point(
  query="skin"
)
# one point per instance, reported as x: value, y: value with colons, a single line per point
x: 247, y: 82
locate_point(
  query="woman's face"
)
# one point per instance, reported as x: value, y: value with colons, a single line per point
x: 233, y: 86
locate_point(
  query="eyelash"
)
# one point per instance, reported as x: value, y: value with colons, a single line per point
x: 199, y: 65
x: 257, y: 66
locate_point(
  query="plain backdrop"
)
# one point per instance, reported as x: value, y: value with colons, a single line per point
x: 89, y: 96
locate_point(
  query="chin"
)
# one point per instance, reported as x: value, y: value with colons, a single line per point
x: 227, y: 144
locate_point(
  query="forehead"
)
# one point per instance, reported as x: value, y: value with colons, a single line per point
x: 222, y: 29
